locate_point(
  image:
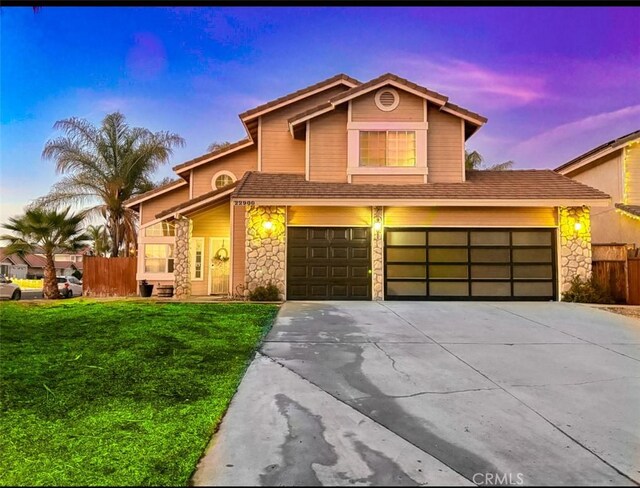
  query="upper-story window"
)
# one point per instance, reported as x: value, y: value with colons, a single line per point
x: 161, y: 229
x: 222, y: 179
x: 387, y: 148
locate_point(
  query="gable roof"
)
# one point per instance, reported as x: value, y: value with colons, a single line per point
x: 340, y: 78
x: 438, y: 99
x: 597, y: 152
x: 167, y: 187
x: 218, y: 153
x: 526, y: 187
x: 200, y: 201
x: 13, y: 258
x: 632, y: 210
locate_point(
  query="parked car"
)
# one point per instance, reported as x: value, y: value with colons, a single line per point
x: 75, y: 286
x: 8, y: 289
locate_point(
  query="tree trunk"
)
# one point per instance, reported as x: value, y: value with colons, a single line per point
x: 115, y: 242
x: 50, y: 284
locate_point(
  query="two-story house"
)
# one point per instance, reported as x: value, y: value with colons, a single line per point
x: 613, y: 167
x: 350, y: 190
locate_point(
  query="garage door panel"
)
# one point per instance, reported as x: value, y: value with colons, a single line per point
x: 319, y: 253
x: 339, y: 252
x: 319, y: 272
x: 335, y: 260
x: 359, y: 253
x: 361, y: 234
x: 467, y: 264
x: 360, y: 272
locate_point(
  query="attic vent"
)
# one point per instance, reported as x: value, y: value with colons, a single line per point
x: 387, y: 99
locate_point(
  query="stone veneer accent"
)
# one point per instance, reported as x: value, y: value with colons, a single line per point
x: 265, y: 249
x: 575, y: 244
x: 377, y: 252
x: 181, y: 269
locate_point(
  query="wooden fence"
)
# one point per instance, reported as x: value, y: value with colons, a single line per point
x: 108, y: 277
x: 634, y: 281
x: 616, y: 268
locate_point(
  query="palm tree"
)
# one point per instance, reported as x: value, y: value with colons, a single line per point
x: 474, y: 160
x: 216, y: 146
x: 106, y: 166
x: 98, y: 235
x: 50, y: 231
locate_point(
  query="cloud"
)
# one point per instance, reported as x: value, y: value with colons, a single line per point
x: 475, y: 84
x: 580, y: 128
x: 147, y: 59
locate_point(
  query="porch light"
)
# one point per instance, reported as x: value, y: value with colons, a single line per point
x: 268, y: 225
x: 577, y: 226
x: 377, y: 225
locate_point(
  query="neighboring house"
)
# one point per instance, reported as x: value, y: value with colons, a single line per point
x: 32, y: 265
x: 613, y: 167
x: 349, y: 190
x: 12, y: 265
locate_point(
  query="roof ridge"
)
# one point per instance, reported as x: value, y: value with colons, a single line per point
x: 276, y: 101
x: 217, y: 152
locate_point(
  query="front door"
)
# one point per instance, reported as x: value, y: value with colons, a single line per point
x: 219, y: 253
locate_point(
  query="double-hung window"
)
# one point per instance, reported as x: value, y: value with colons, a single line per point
x: 387, y: 148
x: 158, y: 258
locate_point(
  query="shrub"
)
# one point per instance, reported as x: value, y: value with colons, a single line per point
x: 269, y: 293
x: 587, y: 291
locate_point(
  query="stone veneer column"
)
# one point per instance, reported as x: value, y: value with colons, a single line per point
x: 377, y: 253
x: 265, y: 248
x: 575, y: 244
x: 181, y: 268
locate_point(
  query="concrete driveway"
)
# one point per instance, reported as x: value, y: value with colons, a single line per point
x: 447, y: 393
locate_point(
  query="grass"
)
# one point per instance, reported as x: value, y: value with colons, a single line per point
x: 117, y: 392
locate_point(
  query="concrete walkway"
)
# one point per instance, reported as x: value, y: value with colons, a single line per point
x: 446, y: 393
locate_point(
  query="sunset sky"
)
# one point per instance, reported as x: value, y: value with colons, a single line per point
x: 553, y: 82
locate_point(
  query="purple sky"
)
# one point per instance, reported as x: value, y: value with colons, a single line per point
x: 554, y: 82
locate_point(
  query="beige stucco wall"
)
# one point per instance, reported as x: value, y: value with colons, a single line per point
x: 328, y: 147
x: 153, y: 206
x: 281, y: 153
x: 237, y: 163
x: 470, y: 216
x: 410, y: 109
x: 445, y: 147
x: 607, y: 174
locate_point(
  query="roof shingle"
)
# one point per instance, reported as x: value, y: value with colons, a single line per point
x: 489, y: 185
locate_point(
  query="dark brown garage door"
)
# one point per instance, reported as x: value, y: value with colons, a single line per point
x: 328, y: 263
x: 470, y: 264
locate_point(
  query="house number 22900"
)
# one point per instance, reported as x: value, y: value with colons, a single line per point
x: 245, y: 202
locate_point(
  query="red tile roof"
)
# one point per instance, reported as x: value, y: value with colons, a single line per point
x: 489, y: 185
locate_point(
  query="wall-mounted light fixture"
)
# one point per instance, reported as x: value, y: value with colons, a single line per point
x: 577, y: 226
x: 377, y: 225
x: 267, y: 225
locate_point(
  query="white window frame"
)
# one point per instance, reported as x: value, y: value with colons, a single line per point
x: 193, y: 244
x: 142, y: 240
x: 386, y: 132
x: 224, y: 172
x: 144, y: 258
x: 353, y: 156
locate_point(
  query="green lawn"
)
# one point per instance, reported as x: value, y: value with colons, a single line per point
x: 117, y: 392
